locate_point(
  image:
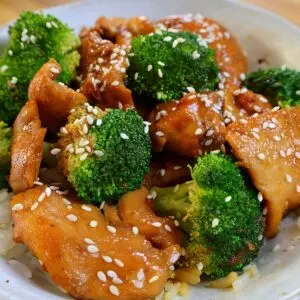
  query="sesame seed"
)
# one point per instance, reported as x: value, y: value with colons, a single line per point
x: 208, y: 143
x: 167, y: 39
x: 242, y: 76
x: 175, y: 43
x: 153, y: 279
x: 159, y: 133
x: 48, y: 191
x: 260, y: 237
x: 200, y: 266
x: 48, y: 25
x: 18, y: 207
x: 161, y: 63
x: 10, y: 53
x: 289, y: 178
x: 149, y: 68
x: 4, y: 68
x: 135, y: 230
x: 83, y: 156
x: 41, y: 197
x: 195, y: 55
x: 92, y: 249
x: 54, y: 70
x: 55, y: 151
x: 119, y: 263
x: 34, y: 206
x: 260, y: 197
x: 174, y: 257
x: 210, y: 132
x: 93, y: 224
x: 111, y: 229
x: 160, y: 73
x: 176, y: 188
x: 138, y: 284
x: 276, y: 108
x: 265, y: 211
x: 90, y: 119
x: 85, y: 129
x: 168, y: 228
x: 63, y: 130
x: 276, y: 138
x: 124, y: 136
x: 79, y: 151
x: 102, y: 205
x: 162, y: 172
x: 215, y: 222
x: 86, y: 208
x: 115, y: 83
x: 228, y: 198
x: 198, y: 131
x: 243, y: 90
x: 72, y: 218
x: 190, y: 89
x: 101, y: 276
x: 298, y: 93
x: 172, y: 268
x: 89, y: 241
x: 298, y: 188
x: 156, y: 224
x: 261, y: 156
x: 114, y: 290
x: 282, y: 153
x: 98, y: 153
x: 112, y: 274
x: 14, y: 80
x: 136, y: 75
x: 88, y: 149
x: 297, y: 154
x: 66, y: 201
x: 176, y: 222
x: 107, y: 259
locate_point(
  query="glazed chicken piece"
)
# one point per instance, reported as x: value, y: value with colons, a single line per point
x: 268, y: 146
x: 54, y: 100
x: 121, y: 30
x: 188, y: 127
x: 27, y: 148
x: 103, y: 67
x: 167, y: 169
x: 135, y: 210
x: 84, y: 254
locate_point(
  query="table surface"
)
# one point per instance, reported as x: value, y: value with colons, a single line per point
x: 9, y: 9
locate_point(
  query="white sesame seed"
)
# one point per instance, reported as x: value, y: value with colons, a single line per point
x: 198, y: 131
x: 48, y: 191
x: 4, y: 68
x: 111, y: 229
x: 174, y: 257
x: 190, y: 89
x: 93, y: 224
x: 55, y: 151
x: 102, y: 205
x: 114, y: 290
x: 135, y: 230
x: 79, y: 151
x: 260, y: 237
x: 90, y: 119
x: 156, y: 224
x: 98, y: 153
x: 124, y: 136
x: 289, y: 178
x: 276, y: 138
x: 282, y: 153
x: 176, y: 222
x: 260, y: 197
x: 160, y: 73
x: 10, y: 53
x: 89, y: 241
x: 200, y: 266
x: 208, y: 143
x: 210, y: 132
x: 276, y: 108
x: 92, y: 249
x: 112, y: 274
x: 34, y: 206
x: 115, y: 83
x: 54, y: 70
x: 66, y: 201
x: 63, y: 130
x: 83, y: 156
x: 48, y: 25
x: 14, y: 80
x: 215, y: 222
x: 243, y: 90
x: 85, y: 129
x: 167, y: 39
x: 101, y: 276
x: 86, y: 208
x: 172, y: 268
x: 18, y: 207
x: 136, y: 75
x: 195, y: 55
x: 41, y: 197
x: 298, y: 188
x: 228, y: 198
x: 162, y: 172
x: 159, y: 133
x: 297, y: 154
x: 168, y: 228
x: 138, y: 284
x: 72, y: 218
x: 119, y: 263
x: 161, y: 63
x: 107, y: 259
x: 261, y: 156
x: 242, y: 76
x: 153, y: 279
x: 298, y: 93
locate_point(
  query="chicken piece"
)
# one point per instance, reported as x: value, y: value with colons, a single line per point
x: 268, y: 146
x: 54, y: 100
x: 83, y: 253
x: 27, y: 148
x: 167, y: 169
x: 230, y: 57
x: 188, y: 127
x: 122, y: 30
x: 135, y: 210
x: 251, y: 103
x: 103, y: 67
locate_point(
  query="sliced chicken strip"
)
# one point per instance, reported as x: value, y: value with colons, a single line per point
x: 27, y: 148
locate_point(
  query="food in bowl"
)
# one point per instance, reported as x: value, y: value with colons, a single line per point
x: 143, y: 153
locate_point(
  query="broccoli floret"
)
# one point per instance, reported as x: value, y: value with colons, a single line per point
x: 33, y: 40
x: 220, y: 216
x: 163, y: 65
x: 5, y: 145
x: 106, y: 157
x: 280, y: 86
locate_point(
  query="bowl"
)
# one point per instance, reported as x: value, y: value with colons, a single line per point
x: 266, y: 38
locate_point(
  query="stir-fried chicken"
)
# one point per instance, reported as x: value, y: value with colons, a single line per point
x: 27, y: 148
x: 83, y: 253
x: 167, y: 169
x: 268, y: 145
x: 122, y: 30
x: 188, y: 127
x: 135, y: 210
x: 103, y: 67
x: 54, y: 100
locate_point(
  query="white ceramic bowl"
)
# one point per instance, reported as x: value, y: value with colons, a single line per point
x: 262, y: 35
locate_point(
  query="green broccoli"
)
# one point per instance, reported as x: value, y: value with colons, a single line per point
x: 280, y: 86
x: 33, y: 40
x: 220, y: 216
x: 5, y: 145
x: 165, y: 65
x: 105, y: 154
